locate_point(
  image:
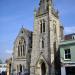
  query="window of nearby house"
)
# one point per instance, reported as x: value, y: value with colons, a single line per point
x: 73, y: 37
x: 67, y: 54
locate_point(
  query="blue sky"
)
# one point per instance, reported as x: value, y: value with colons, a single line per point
x: 15, y: 13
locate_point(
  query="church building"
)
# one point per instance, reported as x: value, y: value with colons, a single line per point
x: 37, y: 52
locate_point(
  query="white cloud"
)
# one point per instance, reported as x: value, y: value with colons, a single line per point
x: 9, y: 51
x: 70, y: 29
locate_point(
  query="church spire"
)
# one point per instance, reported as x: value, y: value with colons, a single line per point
x: 43, y: 6
x: 45, y: 1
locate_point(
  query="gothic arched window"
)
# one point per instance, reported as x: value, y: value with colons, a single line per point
x: 23, y: 50
x: 21, y: 47
x: 18, y: 50
x: 42, y: 26
x: 42, y: 43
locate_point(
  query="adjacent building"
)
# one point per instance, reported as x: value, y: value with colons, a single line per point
x: 67, y: 55
x: 3, y: 67
x: 9, y: 68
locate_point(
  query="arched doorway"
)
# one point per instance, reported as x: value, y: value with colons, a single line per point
x: 20, y: 68
x: 43, y: 69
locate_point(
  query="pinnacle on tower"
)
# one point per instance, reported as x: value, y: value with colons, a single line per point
x: 43, y: 7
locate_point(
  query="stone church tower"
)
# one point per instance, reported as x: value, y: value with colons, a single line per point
x: 46, y: 38
x: 38, y: 54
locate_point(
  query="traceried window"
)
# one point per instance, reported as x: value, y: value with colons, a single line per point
x: 23, y: 50
x: 18, y: 50
x: 21, y: 47
x: 42, y: 26
x: 67, y: 54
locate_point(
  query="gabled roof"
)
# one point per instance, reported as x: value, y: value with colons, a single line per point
x: 68, y: 36
x: 22, y: 32
x: 67, y: 42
